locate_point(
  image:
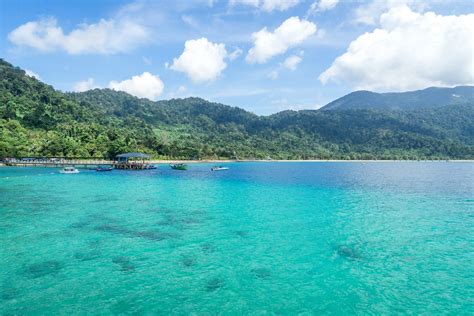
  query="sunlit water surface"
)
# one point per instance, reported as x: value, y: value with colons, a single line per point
x: 260, y: 238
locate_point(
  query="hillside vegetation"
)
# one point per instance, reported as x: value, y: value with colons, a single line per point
x: 37, y: 120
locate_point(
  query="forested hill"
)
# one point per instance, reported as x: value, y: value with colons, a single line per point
x: 36, y: 120
x: 412, y: 100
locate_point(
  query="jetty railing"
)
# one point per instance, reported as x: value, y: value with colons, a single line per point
x: 58, y: 162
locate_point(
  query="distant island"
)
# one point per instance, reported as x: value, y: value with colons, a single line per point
x: 37, y: 120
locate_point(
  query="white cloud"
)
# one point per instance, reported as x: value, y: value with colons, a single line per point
x: 267, y: 5
x: 370, y: 13
x: 292, y: 62
x: 327, y: 4
x: 274, y: 74
x: 290, y: 33
x: 145, y: 85
x: 85, y: 85
x: 181, y: 92
x: 31, y: 73
x: 201, y: 60
x: 105, y: 37
x: 409, y: 51
x: 322, y: 5
x: 190, y: 21
x: 181, y: 89
x: 235, y: 54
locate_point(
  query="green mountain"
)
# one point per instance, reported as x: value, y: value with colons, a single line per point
x: 37, y: 120
x: 412, y: 100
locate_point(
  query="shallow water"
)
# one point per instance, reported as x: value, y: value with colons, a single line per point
x: 260, y: 238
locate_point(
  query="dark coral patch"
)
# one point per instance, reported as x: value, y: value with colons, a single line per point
x: 208, y: 248
x: 41, y: 269
x: 79, y: 224
x: 124, y: 263
x: 242, y: 233
x: 214, y: 284
x: 86, y: 256
x: 348, y: 252
x: 113, y: 229
x: 8, y: 294
x: 151, y: 235
x: 145, y: 234
x: 261, y: 273
x: 188, y: 261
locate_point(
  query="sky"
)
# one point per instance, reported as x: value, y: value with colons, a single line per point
x: 261, y: 55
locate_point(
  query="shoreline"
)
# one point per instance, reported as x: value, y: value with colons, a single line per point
x: 298, y: 160
x: 217, y: 161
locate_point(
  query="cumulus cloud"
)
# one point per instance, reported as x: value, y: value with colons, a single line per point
x: 85, y: 85
x: 201, y: 60
x: 290, y: 33
x: 266, y: 5
x: 235, y: 54
x: 409, y: 51
x: 105, y: 37
x: 32, y: 74
x: 292, y: 62
x: 370, y: 12
x: 145, y: 85
x: 322, y: 5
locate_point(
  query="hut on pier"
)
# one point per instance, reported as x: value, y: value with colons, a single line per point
x: 133, y: 161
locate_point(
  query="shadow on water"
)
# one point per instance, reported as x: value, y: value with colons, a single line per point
x: 124, y: 263
x: 44, y: 268
x: 348, y: 252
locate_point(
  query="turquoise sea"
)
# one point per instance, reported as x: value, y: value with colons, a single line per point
x: 259, y: 239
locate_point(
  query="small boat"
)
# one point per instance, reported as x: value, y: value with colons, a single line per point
x: 150, y: 167
x: 102, y: 169
x: 69, y: 170
x: 179, y: 166
x: 219, y: 168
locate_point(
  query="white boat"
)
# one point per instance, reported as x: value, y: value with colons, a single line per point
x: 69, y: 170
x: 219, y: 168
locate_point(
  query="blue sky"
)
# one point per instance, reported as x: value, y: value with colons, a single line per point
x: 261, y: 55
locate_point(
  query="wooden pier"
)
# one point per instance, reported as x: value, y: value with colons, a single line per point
x: 127, y: 161
x: 60, y: 163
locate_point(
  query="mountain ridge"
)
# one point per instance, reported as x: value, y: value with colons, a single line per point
x: 431, y: 97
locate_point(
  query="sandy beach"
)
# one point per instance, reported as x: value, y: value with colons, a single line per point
x: 297, y: 160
